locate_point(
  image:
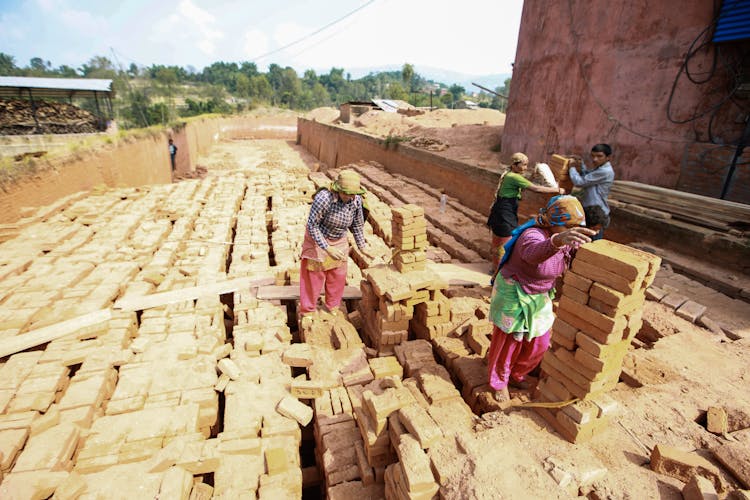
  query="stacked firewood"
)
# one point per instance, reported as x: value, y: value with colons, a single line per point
x: 17, y: 118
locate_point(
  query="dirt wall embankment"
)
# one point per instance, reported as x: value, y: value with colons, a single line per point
x: 133, y: 161
x: 474, y: 187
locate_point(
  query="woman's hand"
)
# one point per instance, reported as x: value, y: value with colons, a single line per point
x: 335, y: 253
x: 575, y: 236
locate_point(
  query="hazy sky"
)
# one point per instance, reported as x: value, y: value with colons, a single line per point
x: 476, y: 37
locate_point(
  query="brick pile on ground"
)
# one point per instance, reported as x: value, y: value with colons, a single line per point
x: 388, y: 300
x: 598, y: 315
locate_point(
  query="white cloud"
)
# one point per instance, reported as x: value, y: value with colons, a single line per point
x: 188, y: 26
x: 255, y: 43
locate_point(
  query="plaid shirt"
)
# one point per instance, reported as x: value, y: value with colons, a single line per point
x: 330, y: 218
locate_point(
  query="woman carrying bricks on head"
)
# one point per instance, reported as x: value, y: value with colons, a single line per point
x: 521, y: 306
x: 503, y: 217
x: 325, y: 249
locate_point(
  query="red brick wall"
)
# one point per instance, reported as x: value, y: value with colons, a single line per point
x: 705, y: 168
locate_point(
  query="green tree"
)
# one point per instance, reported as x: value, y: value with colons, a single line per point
x: 262, y: 88
x: 67, y: 72
x: 243, y: 85
x: 7, y: 65
x: 407, y: 75
x: 98, y: 67
x: 456, y: 91
x: 396, y: 91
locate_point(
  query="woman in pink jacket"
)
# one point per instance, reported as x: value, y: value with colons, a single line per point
x: 521, y: 307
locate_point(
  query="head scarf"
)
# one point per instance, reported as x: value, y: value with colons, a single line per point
x: 348, y: 183
x: 563, y: 210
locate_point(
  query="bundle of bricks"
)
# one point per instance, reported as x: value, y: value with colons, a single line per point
x: 598, y: 315
x: 409, y: 238
x: 388, y: 301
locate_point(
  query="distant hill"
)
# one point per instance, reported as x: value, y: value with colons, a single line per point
x: 439, y: 75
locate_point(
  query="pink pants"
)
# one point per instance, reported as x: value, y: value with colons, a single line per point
x: 508, y: 358
x: 311, y: 283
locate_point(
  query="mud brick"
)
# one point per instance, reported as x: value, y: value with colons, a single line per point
x: 612, y: 360
x: 616, y: 258
x: 277, y: 461
x: 176, y: 483
x: 222, y: 382
x: 564, y: 334
x: 72, y: 487
x: 292, y: 408
x: 35, y: 484
x: 576, y: 281
x: 395, y: 430
x: 699, y: 488
x: 691, y: 311
x: 51, y: 449
x: 415, y: 466
x: 555, y: 388
x: 597, y: 349
x: 673, y: 300
x: 366, y: 473
x: 477, y: 341
x: 575, y: 294
x: 604, y: 276
x: 654, y: 293
x: 308, y: 389
x: 419, y: 424
x: 436, y: 388
x: 736, y: 458
x: 683, y: 465
x: 240, y: 446
x: 552, y: 366
x: 581, y: 412
x: 589, y: 329
x: 413, y: 387
x: 367, y: 429
x: 717, y: 421
x: 298, y: 355
x: 602, y: 322
x: 338, y: 460
x: 386, y: 367
x: 356, y: 489
x: 201, y: 491
x: 228, y: 367
x: 595, y: 379
x: 11, y: 442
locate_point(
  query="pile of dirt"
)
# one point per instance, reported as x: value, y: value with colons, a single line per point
x: 17, y: 118
x: 323, y: 115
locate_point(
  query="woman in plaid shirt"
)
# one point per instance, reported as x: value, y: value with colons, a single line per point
x: 325, y: 249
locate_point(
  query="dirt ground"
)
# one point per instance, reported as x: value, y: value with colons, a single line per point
x: 674, y: 378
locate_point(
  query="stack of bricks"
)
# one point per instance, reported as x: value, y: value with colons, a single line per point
x: 598, y: 315
x: 409, y: 238
x: 432, y: 318
x: 388, y: 303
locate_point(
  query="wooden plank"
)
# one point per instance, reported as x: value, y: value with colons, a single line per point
x: 23, y: 341
x: 291, y: 292
x: 192, y: 293
x: 462, y: 274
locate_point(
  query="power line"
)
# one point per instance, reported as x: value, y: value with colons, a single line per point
x: 313, y: 33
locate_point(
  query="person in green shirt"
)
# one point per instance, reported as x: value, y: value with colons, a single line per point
x: 503, y: 217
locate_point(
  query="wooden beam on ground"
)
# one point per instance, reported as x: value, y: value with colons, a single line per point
x: 176, y: 296
x: 291, y: 292
x: 462, y: 274
x: 23, y: 341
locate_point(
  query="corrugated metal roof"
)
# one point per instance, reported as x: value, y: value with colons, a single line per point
x: 734, y: 21
x: 16, y: 86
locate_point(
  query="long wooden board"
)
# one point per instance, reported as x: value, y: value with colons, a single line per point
x: 291, y: 292
x: 176, y: 296
x: 462, y: 273
x: 23, y: 341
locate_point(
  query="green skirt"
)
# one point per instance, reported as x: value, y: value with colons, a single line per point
x: 515, y: 312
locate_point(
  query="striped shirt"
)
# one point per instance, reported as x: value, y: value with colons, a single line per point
x: 330, y: 218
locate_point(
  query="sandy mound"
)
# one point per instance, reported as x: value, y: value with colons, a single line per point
x: 323, y: 115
